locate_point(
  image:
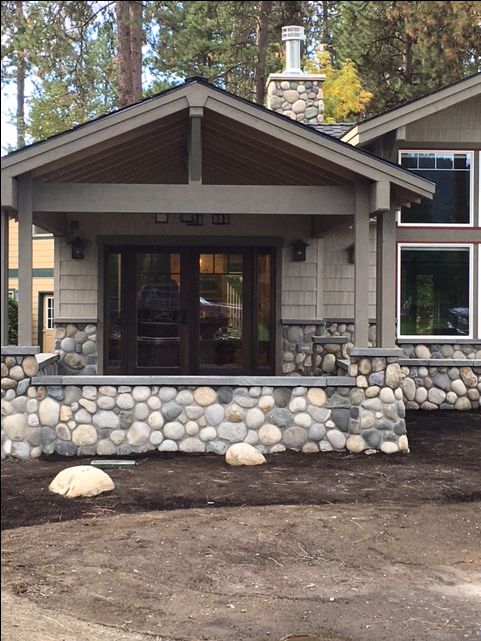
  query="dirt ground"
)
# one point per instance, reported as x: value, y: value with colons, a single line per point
x: 328, y: 547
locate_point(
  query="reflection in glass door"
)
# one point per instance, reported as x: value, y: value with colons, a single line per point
x: 157, y: 309
x: 189, y: 310
x: 221, y: 310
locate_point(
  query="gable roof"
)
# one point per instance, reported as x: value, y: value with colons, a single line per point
x: 197, y: 93
x: 376, y: 126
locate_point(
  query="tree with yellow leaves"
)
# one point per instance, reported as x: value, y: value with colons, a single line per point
x: 344, y: 98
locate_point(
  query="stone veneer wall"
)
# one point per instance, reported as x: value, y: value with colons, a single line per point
x: 299, y: 98
x: 53, y: 415
x: 76, y: 345
x: 430, y: 386
x: 301, y: 356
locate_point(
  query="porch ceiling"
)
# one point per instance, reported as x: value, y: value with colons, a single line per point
x: 232, y: 154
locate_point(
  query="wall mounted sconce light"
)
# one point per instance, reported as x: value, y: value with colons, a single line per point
x: 350, y: 254
x: 194, y: 220
x: 78, y: 244
x: 299, y: 251
x: 221, y: 219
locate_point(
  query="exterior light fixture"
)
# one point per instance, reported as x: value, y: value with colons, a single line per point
x: 221, y: 219
x: 299, y: 251
x: 350, y: 254
x: 162, y: 218
x: 78, y: 244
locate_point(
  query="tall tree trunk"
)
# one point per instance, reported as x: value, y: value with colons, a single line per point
x: 124, y: 61
x: 21, y: 72
x: 262, y: 41
x: 136, y: 40
x: 408, y: 59
x: 325, y: 23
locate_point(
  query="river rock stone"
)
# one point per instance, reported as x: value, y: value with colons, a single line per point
x: 389, y: 447
x: 266, y: 403
x: 355, y: 444
x: 105, y: 418
x: 184, y: 397
x: 207, y: 433
x: 294, y: 437
x: 468, y: 376
x: 138, y: 433
x: 192, y: 445
x: 280, y: 417
x: 436, y: 395
x: 174, y: 430
x: 233, y: 432
x: 84, y: 435
x: 90, y: 406
x: 106, y: 403
x: 30, y: 366
x: 316, y: 396
x: 166, y: 394
x: 269, y: 434
x: 141, y: 393
x: 282, y: 396
x: 156, y: 420
x: 422, y: 352
x: 49, y: 412
x: 171, y: 411
x: 15, y: 426
x: 105, y: 447
x: 254, y: 418
x: 81, y: 480
x: 337, y: 439
x: 244, y: 454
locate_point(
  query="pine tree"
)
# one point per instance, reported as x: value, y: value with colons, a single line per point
x: 405, y: 49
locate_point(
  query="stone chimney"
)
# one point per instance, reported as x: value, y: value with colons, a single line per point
x: 293, y: 92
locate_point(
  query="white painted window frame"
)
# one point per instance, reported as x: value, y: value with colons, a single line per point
x: 50, y: 309
x: 468, y: 152
x: 450, y: 338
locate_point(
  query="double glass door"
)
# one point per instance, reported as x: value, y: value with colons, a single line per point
x: 189, y: 310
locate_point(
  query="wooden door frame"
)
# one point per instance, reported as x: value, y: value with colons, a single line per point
x: 108, y: 244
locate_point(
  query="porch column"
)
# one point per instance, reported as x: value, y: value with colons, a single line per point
x: 25, y: 219
x: 386, y: 280
x: 4, y: 277
x: 361, y: 265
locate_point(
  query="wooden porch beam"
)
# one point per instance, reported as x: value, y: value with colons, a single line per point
x: 202, y: 199
x: 380, y: 196
x: 194, y: 149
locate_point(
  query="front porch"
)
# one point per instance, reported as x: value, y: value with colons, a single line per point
x: 177, y: 224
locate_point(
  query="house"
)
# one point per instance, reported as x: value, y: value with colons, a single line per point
x: 42, y: 283
x: 225, y: 273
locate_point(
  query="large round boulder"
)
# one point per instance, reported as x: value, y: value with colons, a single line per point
x: 81, y: 480
x: 244, y: 454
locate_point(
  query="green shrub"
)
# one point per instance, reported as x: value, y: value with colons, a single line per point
x: 12, y: 321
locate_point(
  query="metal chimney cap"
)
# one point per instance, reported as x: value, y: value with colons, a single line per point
x: 292, y: 32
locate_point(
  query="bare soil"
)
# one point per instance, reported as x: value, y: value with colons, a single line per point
x: 329, y: 547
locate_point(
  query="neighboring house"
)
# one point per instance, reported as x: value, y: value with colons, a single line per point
x: 42, y: 283
x: 229, y: 274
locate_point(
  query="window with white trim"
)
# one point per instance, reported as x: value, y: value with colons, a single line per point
x: 452, y: 171
x: 49, y: 307
x: 435, y: 291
